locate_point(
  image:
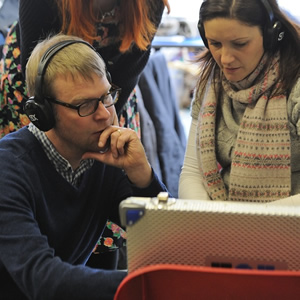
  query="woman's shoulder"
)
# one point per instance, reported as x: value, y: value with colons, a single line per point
x: 293, y: 107
x: 295, y: 92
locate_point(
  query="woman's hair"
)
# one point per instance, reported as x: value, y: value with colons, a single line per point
x: 75, y: 60
x: 254, y: 13
x: 79, y: 18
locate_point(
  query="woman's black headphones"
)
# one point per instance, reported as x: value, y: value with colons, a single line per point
x: 272, y: 33
x: 37, y: 108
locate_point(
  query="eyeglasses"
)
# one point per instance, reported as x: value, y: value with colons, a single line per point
x: 89, y: 107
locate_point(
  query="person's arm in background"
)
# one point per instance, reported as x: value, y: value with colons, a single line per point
x: 126, y: 68
x: 190, y: 182
x: 37, y: 18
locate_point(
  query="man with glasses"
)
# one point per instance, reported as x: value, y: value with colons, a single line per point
x: 89, y: 107
x: 63, y: 177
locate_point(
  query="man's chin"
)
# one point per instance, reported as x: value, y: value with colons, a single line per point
x: 94, y: 148
x: 94, y: 145
x: 97, y: 149
x: 106, y: 147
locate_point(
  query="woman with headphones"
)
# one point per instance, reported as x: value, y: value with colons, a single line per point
x: 244, y: 140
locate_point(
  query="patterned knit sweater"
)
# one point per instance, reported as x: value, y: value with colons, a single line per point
x: 226, y: 134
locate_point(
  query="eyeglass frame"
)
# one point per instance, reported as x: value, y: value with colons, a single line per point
x: 113, y: 88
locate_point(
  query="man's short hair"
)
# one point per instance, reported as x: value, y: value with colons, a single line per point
x: 76, y: 60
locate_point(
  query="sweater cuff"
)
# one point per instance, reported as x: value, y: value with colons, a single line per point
x: 152, y: 190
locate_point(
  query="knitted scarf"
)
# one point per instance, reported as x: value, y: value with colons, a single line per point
x: 260, y: 168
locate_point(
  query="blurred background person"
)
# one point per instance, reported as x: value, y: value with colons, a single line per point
x: 120, y: 30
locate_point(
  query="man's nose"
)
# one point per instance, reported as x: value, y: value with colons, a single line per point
x: 101, y: 111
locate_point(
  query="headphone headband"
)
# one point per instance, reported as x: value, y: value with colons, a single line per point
x: 269, y: 10
x: 272, y: 34
x: 46, y: 59
x: 38, y: 109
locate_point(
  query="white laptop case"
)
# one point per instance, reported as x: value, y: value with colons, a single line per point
x: 212, y: 233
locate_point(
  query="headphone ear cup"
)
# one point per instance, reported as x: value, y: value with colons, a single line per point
x: 40, y: 113
x: 202, y: 33
x: 272, y: 36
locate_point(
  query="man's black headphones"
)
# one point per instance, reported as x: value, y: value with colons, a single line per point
x: 37, y: 108
x: 272, y: 33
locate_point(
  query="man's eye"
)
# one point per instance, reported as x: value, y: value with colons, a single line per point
x: 107, y: 99
x: 88, y: 104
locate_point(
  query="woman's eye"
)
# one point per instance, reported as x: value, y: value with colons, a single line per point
x: 215, y: 44
x: 240, y: 45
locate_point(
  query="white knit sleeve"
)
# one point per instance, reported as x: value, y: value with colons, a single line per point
x: 293, y: 107
x: 190, y: 182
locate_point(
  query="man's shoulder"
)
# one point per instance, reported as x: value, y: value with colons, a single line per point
x: 18, y: 143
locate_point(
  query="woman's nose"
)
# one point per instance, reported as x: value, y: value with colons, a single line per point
x: 226, y: 56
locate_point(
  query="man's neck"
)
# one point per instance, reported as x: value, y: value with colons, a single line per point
x: 73, y: 157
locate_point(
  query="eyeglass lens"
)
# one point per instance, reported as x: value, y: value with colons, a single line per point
x: 90, y: 107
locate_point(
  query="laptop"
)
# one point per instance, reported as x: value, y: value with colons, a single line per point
x: 221, y: 234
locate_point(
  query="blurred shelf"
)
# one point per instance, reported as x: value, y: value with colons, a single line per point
x: 177, y: 41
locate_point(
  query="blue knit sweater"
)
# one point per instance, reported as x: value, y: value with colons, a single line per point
x: 48, y: 228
